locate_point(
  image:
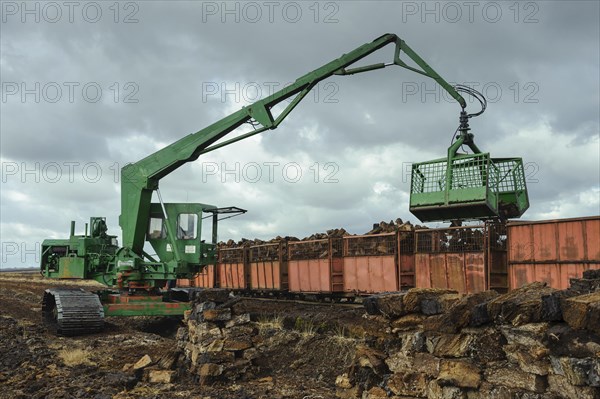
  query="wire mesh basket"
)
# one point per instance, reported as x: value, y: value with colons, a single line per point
x: 473, y: 186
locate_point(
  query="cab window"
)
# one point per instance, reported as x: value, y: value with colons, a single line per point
x: 186, y: 226
x: 156, y: 229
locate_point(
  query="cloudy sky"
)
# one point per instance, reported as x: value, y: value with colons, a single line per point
x: 90, y: 86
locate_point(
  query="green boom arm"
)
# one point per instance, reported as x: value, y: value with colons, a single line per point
x: 138, y: 180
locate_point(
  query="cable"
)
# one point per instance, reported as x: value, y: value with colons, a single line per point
x: 474, y: 93
x: 253, y: 123
x: 454, y: 135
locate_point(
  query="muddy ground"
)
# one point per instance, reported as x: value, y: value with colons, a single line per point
x: 36, y: 364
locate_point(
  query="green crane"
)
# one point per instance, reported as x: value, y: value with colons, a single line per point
x: 136, y: 280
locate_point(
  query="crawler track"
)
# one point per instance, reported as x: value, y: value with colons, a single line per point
x: 70, y: 311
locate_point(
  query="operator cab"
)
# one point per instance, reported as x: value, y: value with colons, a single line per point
x: 188, y: 232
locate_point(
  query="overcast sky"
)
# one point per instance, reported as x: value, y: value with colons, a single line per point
x: 90, y: 86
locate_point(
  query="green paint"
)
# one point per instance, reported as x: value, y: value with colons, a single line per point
x: 147, y: 309
x: 473, y: 186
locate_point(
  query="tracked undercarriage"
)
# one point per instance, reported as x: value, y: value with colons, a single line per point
x: 70, y: 311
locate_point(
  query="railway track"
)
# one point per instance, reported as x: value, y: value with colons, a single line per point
x: 306, y: 302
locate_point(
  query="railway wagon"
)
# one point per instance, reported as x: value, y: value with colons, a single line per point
x: 183, y: 282
x: 203, y: 279
x: 268, y: 267
x: 468, y: 259
x: 370, y: 263
x: 352, y: 265
x: 552, y: 251
x: 232, y: 269
x: 378, y: 262
x: 315, y: 266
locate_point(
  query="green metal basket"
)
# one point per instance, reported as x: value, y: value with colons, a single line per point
x: 473, y: 186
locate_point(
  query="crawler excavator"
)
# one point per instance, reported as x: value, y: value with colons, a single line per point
x: 459, y: 186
